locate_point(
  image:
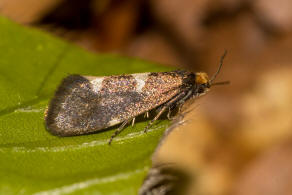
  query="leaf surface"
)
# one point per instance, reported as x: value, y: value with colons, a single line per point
x: 33, y: 161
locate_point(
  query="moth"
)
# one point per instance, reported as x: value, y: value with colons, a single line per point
x: 85, y: 104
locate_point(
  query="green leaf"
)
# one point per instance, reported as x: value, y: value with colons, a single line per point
x: 32, y: 64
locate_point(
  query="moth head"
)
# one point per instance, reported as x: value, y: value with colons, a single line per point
x: 204, y: 83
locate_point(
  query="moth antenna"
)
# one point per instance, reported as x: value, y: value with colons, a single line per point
x: 219, y: 68
x: 221, y: 83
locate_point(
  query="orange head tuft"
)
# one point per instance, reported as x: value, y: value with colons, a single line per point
x: 202, y: 78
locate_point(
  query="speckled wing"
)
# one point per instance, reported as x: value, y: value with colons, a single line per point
x: 83, y: 104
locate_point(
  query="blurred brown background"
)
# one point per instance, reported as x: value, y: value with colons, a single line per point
x: 238, y: 138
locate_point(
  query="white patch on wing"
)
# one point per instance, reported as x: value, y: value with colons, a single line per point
x: 96, y: 83
x: 114, y: 121
x: 141, y: 78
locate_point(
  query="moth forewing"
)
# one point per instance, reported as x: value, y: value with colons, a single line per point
x: 84, y: 104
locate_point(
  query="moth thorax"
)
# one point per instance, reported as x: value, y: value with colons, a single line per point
x: 202, y: 78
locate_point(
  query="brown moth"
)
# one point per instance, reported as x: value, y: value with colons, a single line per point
x: 84, y: 104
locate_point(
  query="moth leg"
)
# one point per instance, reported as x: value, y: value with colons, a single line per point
x: 180, y: 107
x: 133, y: 121
x: 171, y: 102
x: 169, y: 105
x: 168, y: 114
x: 181, y: 102
x: 155, y: 118
x: 119, y: 130
x: 170, y: 109
x: 146, y: 115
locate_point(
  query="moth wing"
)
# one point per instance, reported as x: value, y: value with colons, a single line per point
x: 86, y: 104
x: 150, y: 91
x: 73, y: 109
